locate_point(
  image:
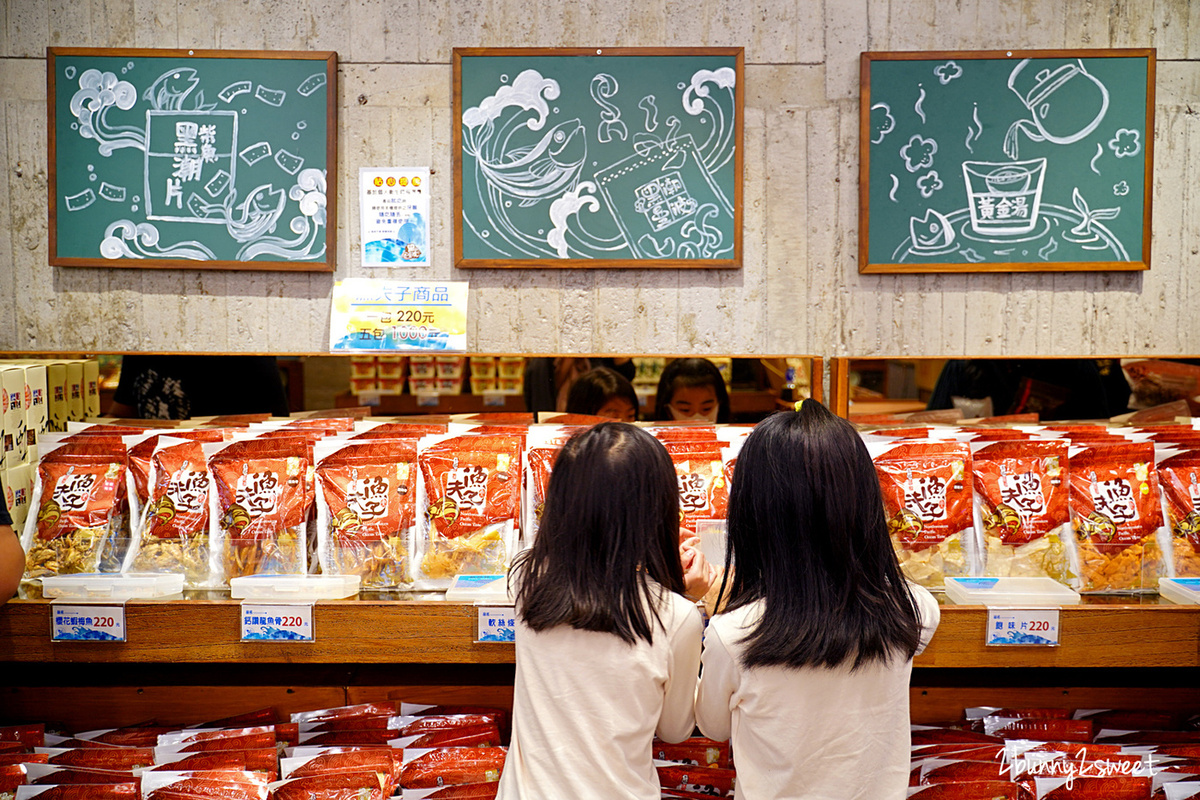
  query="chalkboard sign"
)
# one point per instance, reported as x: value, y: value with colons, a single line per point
x: 1006, y: 161
x: 192, y: 159
x: 598, y: 158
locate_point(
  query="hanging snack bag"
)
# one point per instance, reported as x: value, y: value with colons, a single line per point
x: 1021, y: 500
x: 366, y: 509
x: 700, y: 475
x: 927, y: 500
x: 259, y: 505
x: 468, y: 504
x: 1116, y: 514
x: 172, y: 533
x: 542, y: 447
x: 1179, y: 477
x: 79, y: 521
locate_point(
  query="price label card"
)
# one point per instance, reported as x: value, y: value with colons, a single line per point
x: 1022, y: 626
x: 497, y: 624
x: 291, y: 622
x: 87, y: 623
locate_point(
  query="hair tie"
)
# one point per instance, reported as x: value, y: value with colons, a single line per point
x: 798, y: 404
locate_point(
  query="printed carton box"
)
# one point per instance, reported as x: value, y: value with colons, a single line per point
x: 76, y: 405
x: 12, y: 404
x: 18, y: 491
x: 91, y: 388
x: 57, y: 403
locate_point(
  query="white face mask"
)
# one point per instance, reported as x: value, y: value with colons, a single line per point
x: 711, y: 416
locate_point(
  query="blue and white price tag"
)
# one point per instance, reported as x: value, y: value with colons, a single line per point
x: 497, y: 624
x: 292, y: 622
x: 1022, y: 626
x: 87, y: 623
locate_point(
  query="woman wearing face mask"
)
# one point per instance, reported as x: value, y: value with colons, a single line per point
x: 692, y: 390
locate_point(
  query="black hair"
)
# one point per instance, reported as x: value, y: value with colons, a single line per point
x: 808, y: 537
x: 594, y: 388
x: 690, y: 372
x: 610, y: 526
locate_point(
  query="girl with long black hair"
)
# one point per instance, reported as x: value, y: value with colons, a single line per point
x: 806, y: 670
x: 607, y: 645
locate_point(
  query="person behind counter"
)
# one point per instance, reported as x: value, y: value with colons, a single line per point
x: 807, y: 667
x: 603, y: 392
x: 12, y: 557
x: 179, y: 387
x: 691, y: 390
x: 607, y: 646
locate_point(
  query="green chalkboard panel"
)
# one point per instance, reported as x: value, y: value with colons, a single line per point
x: 1006, y: 161
x: 598, y: 157
x: 192, y: 159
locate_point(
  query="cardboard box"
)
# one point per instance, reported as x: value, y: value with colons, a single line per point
x: 36, y: 405
x: 18, y: 491
x: 12, y: 407
x: 91, y: 388
x: 76, y: 405
x: 57, y: 403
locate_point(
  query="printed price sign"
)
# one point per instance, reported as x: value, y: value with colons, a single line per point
x: 277, y: 623
x: 497, y: 624
x: 87, y: 623
x: 407, y: 316
x: 1022, y: 626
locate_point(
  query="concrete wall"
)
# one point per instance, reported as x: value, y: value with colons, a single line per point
x: 799, y: 291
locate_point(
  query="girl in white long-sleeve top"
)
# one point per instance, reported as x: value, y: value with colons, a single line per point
x: 806, y: 670
x: 607, y: 646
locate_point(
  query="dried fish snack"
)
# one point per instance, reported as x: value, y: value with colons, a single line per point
x: 928, y: 504
x: 260, y: 499
x: 468, y: 505
x: 1021, y: 499
x: 703, y: 489
x: 366, y: 509
x: 1179, y: 477
x: 1116, y: 513
x: 78, y: 521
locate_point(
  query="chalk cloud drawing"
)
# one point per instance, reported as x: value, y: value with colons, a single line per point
x: 882, y: 122
x: 1121, y: 189
x: 1126, y: 143
x: 540, y: 179
x: 1057, y: 95
x: 190, y: 172
x: 947, y: 72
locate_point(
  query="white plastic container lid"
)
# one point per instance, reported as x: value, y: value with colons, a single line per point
x: 1010, y: 592
x: 479, y: 589
x: 293, y: 587
x: 1180, y: 590
x: 113, y: 586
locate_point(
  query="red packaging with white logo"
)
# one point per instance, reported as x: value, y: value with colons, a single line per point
x: 425, y: 769
x: 703, y: 491
x: 366, y: 510
x: 1116, y: 513
x: 1179, y: 477
x: 927, y: 499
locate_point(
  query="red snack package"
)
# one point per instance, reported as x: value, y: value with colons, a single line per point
x: 473, y: 736
x: 1116, y: 512
x: 33, y: 735
x: 79, y: 501
x: 703, y: 491
x: 922, y: 736
x: 972, y: 790
x: 346, y: 712
x: 1179, y: 477
x: 53, y: 774
x: 1022, y: 492
x: 928, y: 502
x: 366, y: 510
x: 10, y: 778
x: 697, y: 750
x: 84, y: 791
x: 424, y: 769
x: 249, y: 741
x: 1117, y: 788
x: 464, y: 791
x: 692, y: 781
x: 132, y: 736
x: 503, y: 716
x: 120, y: 758
x: 172, y: 533
x: 12, y: 759
x: 183, y: 785
x: 1042, y: 730
x: 378, y: 737
x: 349, y: 724
x: 334, y: 786
x: 263, y: 716
x: 411, y: 726
x: 955, y: 770
x: 261, y: 505
x: 468, y: 506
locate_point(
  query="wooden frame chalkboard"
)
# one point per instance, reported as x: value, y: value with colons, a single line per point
x: 193, y: 159
x: 613, y: 157
x: 1006, y: 161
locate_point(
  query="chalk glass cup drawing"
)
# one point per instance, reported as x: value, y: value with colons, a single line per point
x: 1006, y: 161
x: 1004, y: 198
x: 587, y: 158
x: 203, y: 159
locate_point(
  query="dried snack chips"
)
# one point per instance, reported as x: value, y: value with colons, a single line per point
x: 927, y: 501
x: 79, y: 521
x: 1021, y: 496
x: 259, y: 505
x: 366, y: 509
x: 1116, y: 513
x: 468, y: 505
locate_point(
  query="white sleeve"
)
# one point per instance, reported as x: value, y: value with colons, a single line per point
x: 928, y: 613
x: 718, y: 681
x: 678, y: 718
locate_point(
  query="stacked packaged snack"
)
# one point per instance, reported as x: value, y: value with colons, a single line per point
x: 1179, y: 477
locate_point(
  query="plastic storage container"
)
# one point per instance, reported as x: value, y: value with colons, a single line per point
x: 491, y: 589
x: 1180, y: 590
x: 293, y: 587
x: 1010, y: 592
x: 96, y: 586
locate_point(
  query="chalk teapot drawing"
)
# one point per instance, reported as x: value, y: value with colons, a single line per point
x: 1061, y: 97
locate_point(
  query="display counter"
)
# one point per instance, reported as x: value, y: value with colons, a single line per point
x: 183, y: 659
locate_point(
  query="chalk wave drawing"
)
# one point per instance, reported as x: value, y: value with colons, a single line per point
x: 572, y: 180
x: 190, y: 167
